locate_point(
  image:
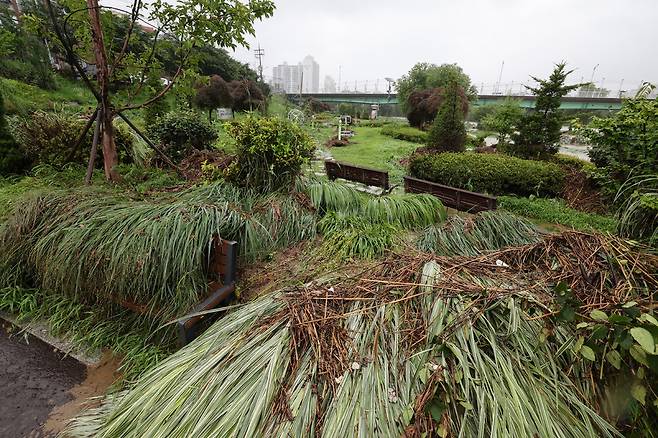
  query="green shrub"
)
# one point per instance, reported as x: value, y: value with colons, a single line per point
x: 12, y: 158
x: 638, y: 214
x: 626, y: 144
x: 48, y: 137
x: 448, y: 133
x: 496, y: 174
x: 556, y: 212
x: 181, y: 131
x: 406, y: 133
x: 573, y: 162
x: 158, y: 108
x: 270, y: 152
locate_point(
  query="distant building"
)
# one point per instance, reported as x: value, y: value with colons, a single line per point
x: 311, y: 69
x: 290, y: 78
x: 286, y: 77
x: 329, y: 84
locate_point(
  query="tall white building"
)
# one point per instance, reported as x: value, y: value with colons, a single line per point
x: 289, y: 78
x: 311, y: 81
x: 329, y: 85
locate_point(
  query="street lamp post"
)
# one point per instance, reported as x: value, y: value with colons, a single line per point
x: 391, y: 82
x: 591, y: 81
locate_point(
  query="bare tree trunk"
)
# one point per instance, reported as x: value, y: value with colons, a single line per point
x: 16, y: 8
x: 94, y: 148
x: 110, y: 156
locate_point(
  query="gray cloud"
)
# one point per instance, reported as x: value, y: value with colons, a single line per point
x: 374, y: 39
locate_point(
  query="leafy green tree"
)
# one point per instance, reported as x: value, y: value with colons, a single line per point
x: 448, y: 133
x: 539, y: 131
x: 159, y: 107
x: 425, y: 75
x: 625, y: 144
x: 504, y: 119
x: 23, y: 54
x: 187, y: 25
x: 12, y: 159
x: 216, y: 61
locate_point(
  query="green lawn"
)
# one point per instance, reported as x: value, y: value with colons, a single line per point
x: 554, y: 211
x: 370, y: 148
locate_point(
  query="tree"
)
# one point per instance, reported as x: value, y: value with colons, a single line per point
x: 448, y: 133
x: 159, y: 107
x: 187, y: 24
x: 625, y: 144
x: 215, y: 61
x: 247, y: 96
x: 215, y: 94
x: 23, y: 54
x: 539, y: 131
x: 12, y: 158
x: 591, y: 90
x: 423, y: 106
x: 424, y: 75
x: 504, y: 119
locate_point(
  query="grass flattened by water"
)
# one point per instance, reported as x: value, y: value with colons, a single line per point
x: 554, y: 211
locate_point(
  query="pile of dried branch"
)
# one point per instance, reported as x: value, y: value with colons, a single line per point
x: 415, y: 344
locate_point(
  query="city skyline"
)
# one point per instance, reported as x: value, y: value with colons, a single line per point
x: 293, y: 78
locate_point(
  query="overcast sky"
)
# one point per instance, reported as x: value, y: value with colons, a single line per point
x: 374, y: 39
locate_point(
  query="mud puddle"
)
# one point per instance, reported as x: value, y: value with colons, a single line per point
x: 41, y: 387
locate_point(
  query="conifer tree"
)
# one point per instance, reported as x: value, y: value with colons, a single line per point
x: 448, y: 133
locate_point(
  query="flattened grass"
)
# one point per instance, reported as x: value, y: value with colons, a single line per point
x: 556, y: 212
x: 101, y: 247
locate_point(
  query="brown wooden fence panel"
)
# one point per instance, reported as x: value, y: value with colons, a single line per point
x: 459, y: 199
x: 371, y: 177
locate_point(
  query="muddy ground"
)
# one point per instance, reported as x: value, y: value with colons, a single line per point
x: 41, y: 387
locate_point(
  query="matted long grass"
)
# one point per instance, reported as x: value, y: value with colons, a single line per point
x: 486, y: 231
x: 153, y: 254
x: 416, y: 345
x: 355, y: 225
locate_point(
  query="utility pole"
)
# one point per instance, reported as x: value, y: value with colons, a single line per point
x: 340, y: 68
x: 500, y: 76
x: 301, y: 84
x: 621, y: 85
x: 259, y: 55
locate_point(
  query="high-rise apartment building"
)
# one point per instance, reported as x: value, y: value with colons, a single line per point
x: 329, y: 85
x: 289, y: 78
x: 311, y: 69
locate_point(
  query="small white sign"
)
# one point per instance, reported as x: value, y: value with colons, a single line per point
x: 225, y: 113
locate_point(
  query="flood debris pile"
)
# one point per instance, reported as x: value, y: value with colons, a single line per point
x: 412, y: 345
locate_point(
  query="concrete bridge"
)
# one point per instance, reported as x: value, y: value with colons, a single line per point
x: 568, y: 102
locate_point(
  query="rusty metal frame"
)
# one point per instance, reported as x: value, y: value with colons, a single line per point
x: 223, y: 266
x: 458, y: 199
x: 365, y: 175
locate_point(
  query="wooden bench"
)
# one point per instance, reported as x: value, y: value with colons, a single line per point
x: 459, y: 199
x: 363, y: 175
x: 222, y: 275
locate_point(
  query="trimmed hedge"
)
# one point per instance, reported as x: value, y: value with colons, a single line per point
x: 495, y: 174
x: 406, y: 133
